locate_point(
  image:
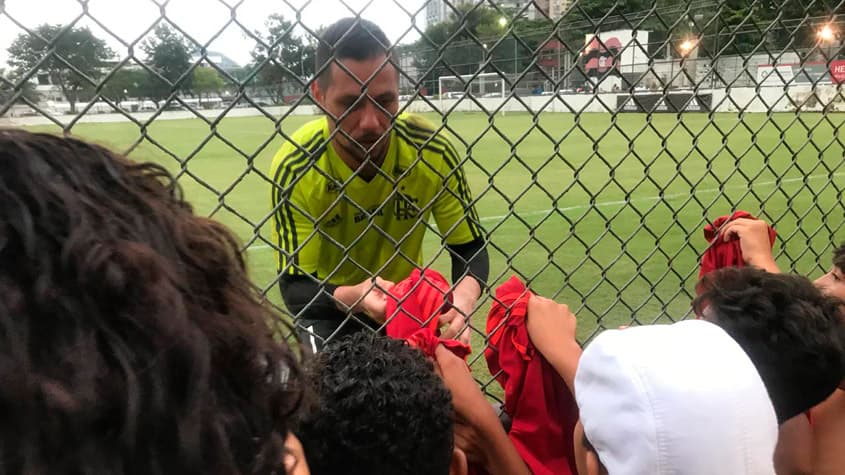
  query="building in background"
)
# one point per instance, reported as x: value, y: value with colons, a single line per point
x: 558, y: 7
x: 437, y: 11
x: 537, y: 9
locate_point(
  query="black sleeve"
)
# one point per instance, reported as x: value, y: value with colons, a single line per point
x: 305, y: 297
x: 470, y: 259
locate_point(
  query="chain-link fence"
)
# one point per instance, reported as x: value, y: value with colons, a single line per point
x: 596, y: 138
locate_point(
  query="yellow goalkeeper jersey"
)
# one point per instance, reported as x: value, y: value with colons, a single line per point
x: 343, y: 229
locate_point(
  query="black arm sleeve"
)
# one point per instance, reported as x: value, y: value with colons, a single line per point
x: 306, y: 298
x: 470, y: 259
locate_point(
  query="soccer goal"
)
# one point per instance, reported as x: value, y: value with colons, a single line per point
x: 482, y: 85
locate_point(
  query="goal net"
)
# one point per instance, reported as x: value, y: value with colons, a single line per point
x: 478, y: 86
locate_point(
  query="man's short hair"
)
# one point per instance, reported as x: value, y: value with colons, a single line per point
x: 348, y: 38
x: 131, y: 339
x: 839, y: 257
x: 791, y: 331
x: 379, y: 408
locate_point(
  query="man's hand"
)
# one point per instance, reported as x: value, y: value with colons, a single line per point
x: 478, y: 432
x: 464, y: 297
x: 551, y: 327
x: 368, y: 297
x: 753, y: 235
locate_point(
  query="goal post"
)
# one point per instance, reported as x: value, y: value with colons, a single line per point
x: 479, y: 86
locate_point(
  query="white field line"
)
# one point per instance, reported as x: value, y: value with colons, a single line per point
x: 645, y: 199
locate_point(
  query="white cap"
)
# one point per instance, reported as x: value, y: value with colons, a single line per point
x: 681, y: 399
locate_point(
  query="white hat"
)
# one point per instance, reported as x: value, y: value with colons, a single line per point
x: 681, y: 399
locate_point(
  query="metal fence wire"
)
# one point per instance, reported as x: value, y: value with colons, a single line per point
x: 597, y: 137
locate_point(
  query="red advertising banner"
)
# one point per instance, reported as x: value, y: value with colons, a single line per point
x: 837, y: 71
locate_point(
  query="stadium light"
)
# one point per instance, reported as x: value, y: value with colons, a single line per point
x: 686, y: 46
x: 826, y: 33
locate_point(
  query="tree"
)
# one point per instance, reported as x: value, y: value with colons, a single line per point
x: 125, y: 83
x: 457, y: 45
x: 475, y: 34
x: 293, y: 57
x: 9, y: 89
x: 206, y: 81
x: 168, y: 54
x: 78, y: 47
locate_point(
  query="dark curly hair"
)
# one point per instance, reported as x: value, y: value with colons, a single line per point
x: 131, y: 340
x: 791, y: 331
x: 379, y: 409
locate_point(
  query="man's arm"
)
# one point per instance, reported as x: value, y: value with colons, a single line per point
x: 304, y: 296
x: 470, y: 269
x: 458, y: 222
x: 298, y: 251
x: 368, y: 297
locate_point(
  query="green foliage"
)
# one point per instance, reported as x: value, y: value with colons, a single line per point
x: 9, y: 89
x: 479, y: 37
x: 73, y: 58
x: 292, y: 59
x: 207, y: 81
x: 168, y: 54
x: 126, y: 83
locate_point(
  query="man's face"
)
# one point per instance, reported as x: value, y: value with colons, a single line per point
x: 832, y: 283
x: 367, y: 124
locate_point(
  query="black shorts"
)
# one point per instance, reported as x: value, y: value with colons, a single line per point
x: 314, y: 334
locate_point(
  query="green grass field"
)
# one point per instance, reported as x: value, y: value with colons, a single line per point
x: 601, y: 212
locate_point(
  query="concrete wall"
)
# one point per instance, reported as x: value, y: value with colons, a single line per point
x: 748, y: 99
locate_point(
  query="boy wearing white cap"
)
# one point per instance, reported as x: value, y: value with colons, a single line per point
x: 672, y: 399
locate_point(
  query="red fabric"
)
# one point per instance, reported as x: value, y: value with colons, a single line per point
x: 413, y: 307
x: 427, y: 342
x: 724, y: 253
x: 541, y: 407
x: 416, y: 303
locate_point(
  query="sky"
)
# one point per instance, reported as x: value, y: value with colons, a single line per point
x: 129, y: 19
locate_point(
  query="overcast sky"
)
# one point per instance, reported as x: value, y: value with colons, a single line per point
x: 203, y: 18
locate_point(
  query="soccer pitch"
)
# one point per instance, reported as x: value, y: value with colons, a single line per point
x: 598, y: 211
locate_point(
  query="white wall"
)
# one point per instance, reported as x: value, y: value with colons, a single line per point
x: 748, y: 99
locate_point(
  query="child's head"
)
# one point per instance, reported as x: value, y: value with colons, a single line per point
x: 791, y: 331
x: 379, y: 408
x: 131, y: 340
x: 682, y: 398
x: 833, y: 282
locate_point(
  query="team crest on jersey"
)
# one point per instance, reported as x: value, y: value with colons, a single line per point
x: 406, y: 207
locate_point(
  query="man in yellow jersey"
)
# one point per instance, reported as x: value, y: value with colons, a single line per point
x: 353, y: 193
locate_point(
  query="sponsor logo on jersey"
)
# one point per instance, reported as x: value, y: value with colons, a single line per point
x: 333, y: 221
x: 368, y: 214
